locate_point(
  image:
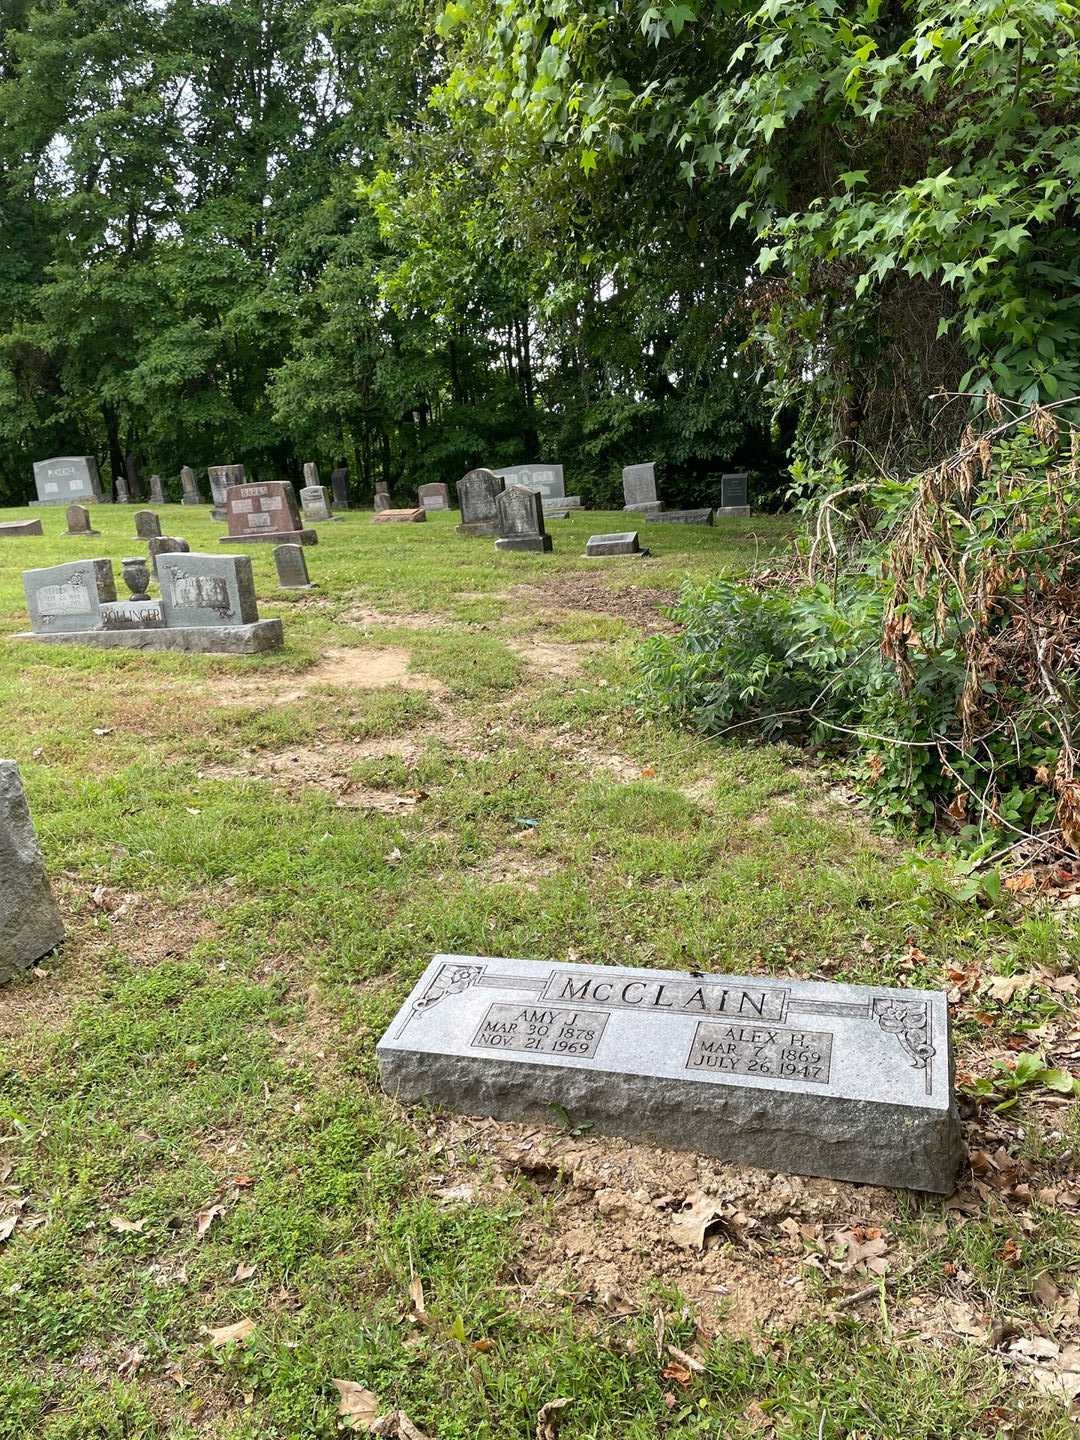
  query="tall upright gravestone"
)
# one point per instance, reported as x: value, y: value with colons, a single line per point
x: 521, y: 521
x: 478, y: 492
x: 30, y: 924
x: 68, y: 478
x: 852, y: 1082
x: 315, y: 503
x: 265, y: 514
x: 157, y: 490
x: 639, y: 489
x: 221, y: 477
x: 147, y: 525
x: 190, y: 487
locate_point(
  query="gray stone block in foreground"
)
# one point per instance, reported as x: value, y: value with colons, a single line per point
x: 845, y: 1081
x: 30, y: 924
x: 209, y: 639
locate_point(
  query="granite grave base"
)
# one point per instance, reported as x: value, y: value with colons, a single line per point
x: 622, y: 542
x: 850, y: 1082
x: 412, y: 516
x: 683, y: 517
x: 250, y: 639
x: 732, y: 512
x: 541, y: 544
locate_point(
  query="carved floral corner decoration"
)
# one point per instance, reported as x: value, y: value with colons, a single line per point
x: 909, y: 1021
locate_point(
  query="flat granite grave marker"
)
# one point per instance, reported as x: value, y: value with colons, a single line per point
x: 703, y: 516
x: 400, y: 517
x: 292, y: 571
x: 477, y: 493
x: 315, y: 503
x: 435, y: 496
x: 190, y: 486
x: 851, y: 1082
x: 67, y: 478
x: 63, y: 598
x: 147, y: 525
x: 21, y: 527
x: 622, y: 542
x: 265, y: 514
x: 221, y: 477
x: 78, y: 521
x: 521, y: 521
x: 30, y: 924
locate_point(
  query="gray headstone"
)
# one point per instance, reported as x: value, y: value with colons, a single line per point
x: 147, y: 525
x: 67, y: 478
x: 547, y: 479
x: 201, y: 590
x: 623, y: 542
x: 846, y: 1081
x: 30, y: 924
x: 120, y: 490
x: 477, y: 493
x: 558, y: 507
x: 435, y: 496
x: 521, y: 521
x: 264, y: 513
x: 382, y: 500
x: 292, y: 571
x: 221, y: 477
x: 157, y: 490
x: 339, y: 484
x: 734, y: 489
x: 66, y: 598
x: 166, y: 545
x: 191, y: 494
x: 315, y: 503
x: 639, y: 484
x: 78, y: 521
x: 311, y: 473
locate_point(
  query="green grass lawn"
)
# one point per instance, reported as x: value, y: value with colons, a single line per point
x: 256, y: 857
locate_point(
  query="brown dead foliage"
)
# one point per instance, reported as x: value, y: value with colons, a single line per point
x: 640, y: 606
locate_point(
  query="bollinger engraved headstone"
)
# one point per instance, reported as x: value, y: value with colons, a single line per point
x: 67, y: 478
x: 265, y: 513
x: 147, y: 525
x: 521, y: 521
x: 851, y: 1082
x: 30, y: 924
x: 477, y: 493
x: 207, y: 590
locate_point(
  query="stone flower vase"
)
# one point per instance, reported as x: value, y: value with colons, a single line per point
x: 136, y: 573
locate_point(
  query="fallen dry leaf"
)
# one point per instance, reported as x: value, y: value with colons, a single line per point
x: 1045, y: 1291
x: 206, y: 1218
x: 130, y: 1363
x: 1003, y: 987
x: 674, y: 1371
x: 226, y: 1334
x: 244, y: 1272
x: 127, y: 1227
x: 690, y: 1226
x: 396, y: 1425
x: 7, y: 1226
x: 549, y: 1417
x: 357, y: 1406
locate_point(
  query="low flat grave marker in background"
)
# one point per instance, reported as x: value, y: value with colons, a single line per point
x: 21, y: 527
x: 265, y: 514
x: 850, y: 1082
x: 67, y: 478
x: 412, y: 516
x: 30, y: 924
x: 622, y: 542
x: 703, y: 516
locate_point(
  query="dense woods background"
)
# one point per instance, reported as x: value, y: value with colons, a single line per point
x: 427, y: 237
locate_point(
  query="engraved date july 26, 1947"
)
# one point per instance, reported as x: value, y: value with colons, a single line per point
x: 763, y: 1050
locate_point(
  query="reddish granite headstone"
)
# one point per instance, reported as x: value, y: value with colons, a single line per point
x: 264, y: 513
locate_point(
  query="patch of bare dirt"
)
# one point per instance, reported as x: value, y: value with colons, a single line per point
x: 365, y: 615
x: 639, y: 605
x: 620, y: 1219
x: 354, y: 669
x: 327, y: 767
x: 513, y: 864
x: 551, y: 660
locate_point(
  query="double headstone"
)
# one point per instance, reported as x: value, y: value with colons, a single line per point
x: 166, y: 545
x: 191, y: 494
x: 521, y: 521
x: 292, y: 571
x: 221, y: 477
x: 147, y: 525
x: 639, y: 489
x: 435, y: 496
x: 315, y: 503
x: 265, y: 514
x: 851, y: 1082
x: 549, y: 481
x: 30, y: 924
x: 78, y: 521
x: 67, y: 478
x: 478, y: 492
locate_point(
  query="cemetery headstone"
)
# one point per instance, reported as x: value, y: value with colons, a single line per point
x: 78, y: 521
x: 311, y: 473
x: 67, y: 478
x: 190, y: 486
x: 623, y: 542
x: 639, y: 488
x: 221, y: 477
x: 265, y: 513
x: 315, y: 503
x: 435, y: 496
x: 382, y: 500
x: 549, y: 481
x: 165, y: 545
x: 21, y: 527
x: 147, y: 525
x: 292, y: 571
x: 478, y: 492
x: 339, y: 484
x: 131, y: 474
x: 850, y: 1082
x: 213, y: 598
x: 66, y: 598
x: 157, y: 490
x: 521, y: 521
x: 400, y: 517
x: 120, y: 490
x: 735, y: 494
x: 30, y: 924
